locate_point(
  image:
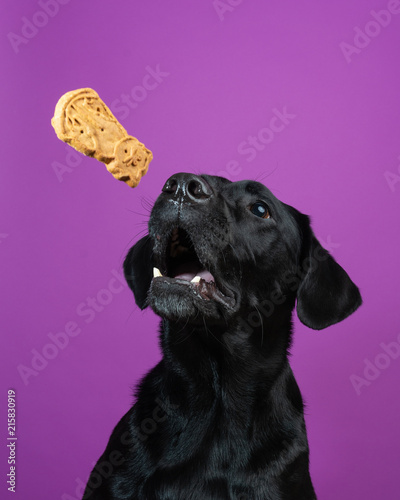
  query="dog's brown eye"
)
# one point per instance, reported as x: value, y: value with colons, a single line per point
x: 260, y: 209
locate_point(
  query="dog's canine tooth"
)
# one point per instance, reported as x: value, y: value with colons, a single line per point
x: 156, y: 272
x: 196, y: 279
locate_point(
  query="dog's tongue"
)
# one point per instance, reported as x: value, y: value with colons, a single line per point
x: 205, y: 275
x: 189, y: 270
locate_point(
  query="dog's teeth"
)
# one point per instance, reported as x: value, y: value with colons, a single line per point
x: 156, y: 272
x: 196, y: 279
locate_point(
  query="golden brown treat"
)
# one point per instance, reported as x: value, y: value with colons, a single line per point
x: 82, y: 120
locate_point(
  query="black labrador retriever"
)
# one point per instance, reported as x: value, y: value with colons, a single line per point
x: 221, y: 416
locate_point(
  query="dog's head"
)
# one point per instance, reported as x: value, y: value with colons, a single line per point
x: 217, y: 249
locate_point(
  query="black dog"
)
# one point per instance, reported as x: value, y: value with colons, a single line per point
x: 221, y: 416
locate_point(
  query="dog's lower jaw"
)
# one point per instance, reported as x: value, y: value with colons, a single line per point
x: 179, y: 300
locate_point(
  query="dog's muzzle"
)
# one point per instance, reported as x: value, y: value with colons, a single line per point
x: 181, y: 228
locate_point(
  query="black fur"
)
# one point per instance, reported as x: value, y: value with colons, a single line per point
x: 221, y: 416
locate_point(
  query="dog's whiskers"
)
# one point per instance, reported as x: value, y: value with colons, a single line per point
x: 147, y: 203
x: 262, y: 325
x: 139, y: 235
x: 183, y: 338
x: 237, y: 259
x: 211, y: 333
x: 263, y: 175
x: 140, y: 214
x: 182, y: 330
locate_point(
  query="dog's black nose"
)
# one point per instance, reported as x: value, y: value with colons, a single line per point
x: 189, y: 187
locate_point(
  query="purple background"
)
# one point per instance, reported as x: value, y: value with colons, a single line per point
x: 62, y: 237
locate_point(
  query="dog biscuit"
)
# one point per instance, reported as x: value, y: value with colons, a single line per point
x: 82, y: 120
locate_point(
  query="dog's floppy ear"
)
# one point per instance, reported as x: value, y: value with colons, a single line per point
x: 138, y: 270
x: 326, y: 294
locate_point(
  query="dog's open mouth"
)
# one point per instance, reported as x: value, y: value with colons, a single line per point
x: 182, y: 266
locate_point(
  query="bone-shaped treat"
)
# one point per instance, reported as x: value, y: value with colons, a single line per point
x: 82, y: 120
